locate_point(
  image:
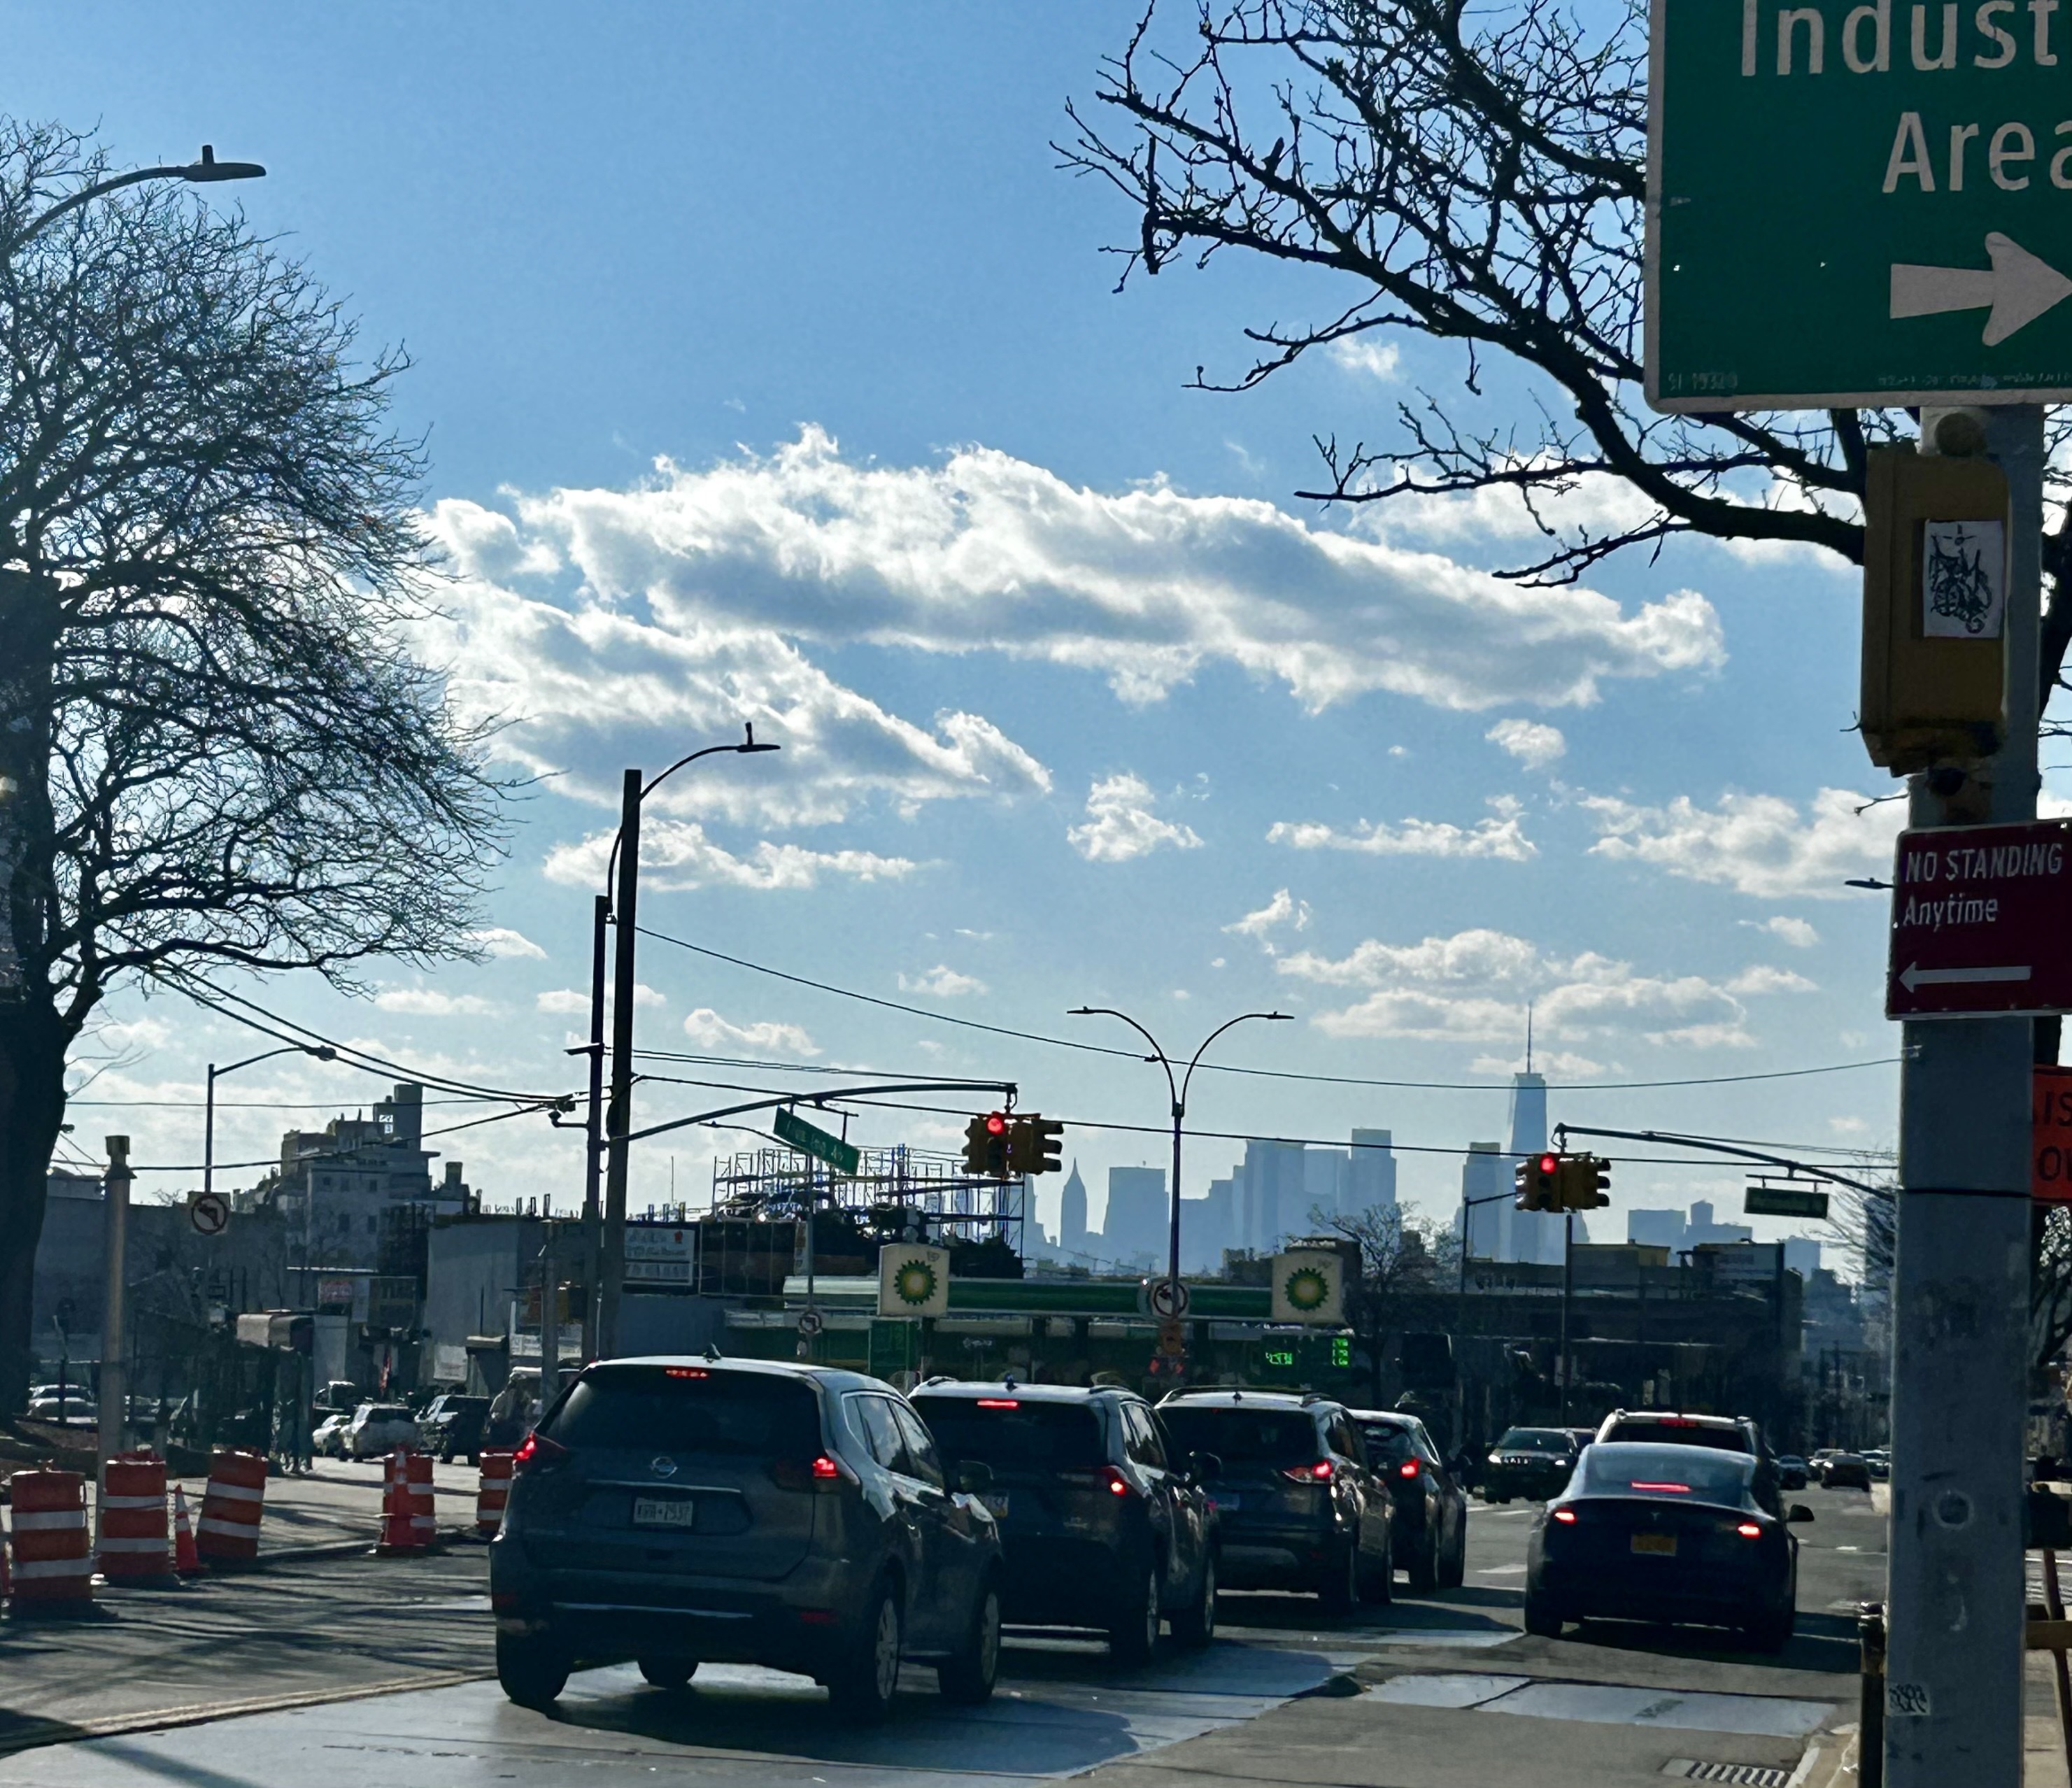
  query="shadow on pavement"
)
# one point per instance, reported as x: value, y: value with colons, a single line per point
x: 1826, y: 1643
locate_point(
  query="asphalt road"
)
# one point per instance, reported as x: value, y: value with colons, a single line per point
x: 381, y: 1667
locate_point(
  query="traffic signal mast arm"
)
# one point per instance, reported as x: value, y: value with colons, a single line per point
x: 1563, y: 1132
x: 826, y: 1096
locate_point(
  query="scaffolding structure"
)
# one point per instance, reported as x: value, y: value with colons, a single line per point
x: 945, y: 1202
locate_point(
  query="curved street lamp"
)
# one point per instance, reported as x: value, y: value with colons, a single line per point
x: 204, y: 172
x: 323, y: 1052
x: 1178, y: 1090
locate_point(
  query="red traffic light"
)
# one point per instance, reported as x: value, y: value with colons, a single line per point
x: 1550, y: 1164
x: 996, y: 1124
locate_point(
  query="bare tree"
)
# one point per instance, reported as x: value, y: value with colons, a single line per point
x: 216, y: 752
x: 1477, y: 177
x: 1401, y: 1257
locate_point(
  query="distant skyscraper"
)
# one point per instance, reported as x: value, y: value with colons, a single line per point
x: 1207, y: 1227
x: 1369, y: 1180
x: 1072, y: 1219
x: 1273, y: 1192
x: 1136, y: 1226
x: 1535, y: 1235
x: 1323, y: 1188
x: 1484, y: 1215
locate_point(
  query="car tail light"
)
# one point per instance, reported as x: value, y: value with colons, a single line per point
x: 1566, y: 1517
x: 1113, y: 1481
x: 999, y: 1403
x: 1408, y: 1468
x: 1318, y: 1474
x: 1672, y: 1489
x: 537, y: 1451
x: 1749, y: 1530
x: 685, y: 1372
x: 822, y: 1470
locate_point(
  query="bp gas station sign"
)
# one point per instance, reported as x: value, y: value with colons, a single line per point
x: 1859, y: 203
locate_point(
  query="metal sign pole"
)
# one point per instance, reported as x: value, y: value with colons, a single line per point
x: 1960, y: 1294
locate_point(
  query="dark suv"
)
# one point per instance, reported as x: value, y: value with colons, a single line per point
x: 452, y: 1425
x: 1729, y: 1434
x: 1532, y: 1462
x: 1102, y: 1522
x: 678, y: 1510
x: 1297, y: 1505
x: 1431, y: 1507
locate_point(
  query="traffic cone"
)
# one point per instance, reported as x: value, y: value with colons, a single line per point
x: 186, y: 1561
x: 6, y: 1576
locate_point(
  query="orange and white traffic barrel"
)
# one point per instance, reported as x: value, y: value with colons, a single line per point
x: 232, y: 1506
x: 53, y: 1551
x: 494, y: 1492
x: 133, y: 1544
x: 407, y: 1524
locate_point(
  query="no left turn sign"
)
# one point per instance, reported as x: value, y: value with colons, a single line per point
x: 210, y: 1213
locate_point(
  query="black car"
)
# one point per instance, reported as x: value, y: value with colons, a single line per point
x: 1668, y: 1534
x: 678, y: 1510
x: 452, y: 1425
x: 1531, y: 1462
x: 1298, y: 1506
x: 1431, y: 1507
x: 1102, y: 1523
x: 1733, y: 1433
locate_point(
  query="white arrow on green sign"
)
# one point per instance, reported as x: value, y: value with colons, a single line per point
x: 844, y: 1158
x: 1838, y: 189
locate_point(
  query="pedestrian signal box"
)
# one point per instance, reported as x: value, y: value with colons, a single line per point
x: 1936, y: 532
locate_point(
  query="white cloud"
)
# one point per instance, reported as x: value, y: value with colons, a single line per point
x: 677, y: 854
x: 1120, y: 825
x: 1560, y: 1064
x: 767, y: 1036
x: 501, y: 942
x: 573, y: 1001
x: 1502, y: 835
x: 426, y: 1002
x: 1534, y: 745
x: 1763, y: 979
x: 1358, y: 353
x: 943, y: 981
x: 1796, y: 932
x: 1283, y: 909
x: 1757, y: 844
x: 986, y: 551
x: 1474, y: 987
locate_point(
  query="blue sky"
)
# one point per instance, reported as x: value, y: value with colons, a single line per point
x: 770, y: 370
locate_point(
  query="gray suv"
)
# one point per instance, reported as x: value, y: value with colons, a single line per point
x: 684, y: 1510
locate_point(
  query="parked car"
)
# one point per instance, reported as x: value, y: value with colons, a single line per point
x: 1880, y: 1463
x: 685, y: 1510
x: 66, y: 1412
x: 374, y: 1428
x: 339, y: 1394
x: 1846, y: 1471
x: 1102, y: 1522
x: 1431, y: 1508
x: 1669, y: 1534
x: 1792, y: 1472
x: 452, y: 1425
x: 1297, y: 1505
x: 1730, y: 1433
x: 1532, y: 1462
x: 327, y: 1439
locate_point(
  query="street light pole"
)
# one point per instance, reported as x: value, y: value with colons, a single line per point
x: 205, y: 172
x: 323, y: 1052
x: 624, y: 867
x: 1177, y: 1092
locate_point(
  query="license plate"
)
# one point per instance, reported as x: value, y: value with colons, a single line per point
x: 663, y: 1511
x: 1224, y: 1501
x: 1662, y: 1545
x: 997, y: 1504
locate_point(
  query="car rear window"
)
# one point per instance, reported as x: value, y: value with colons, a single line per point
x: 1536, y: 1440
x: 1701, y: 1474
x: 1387, y: 1444
x: 1645, y: 1429
x: 688, y: 1411
x: 1013, y: 1434
x: 1243, y: 1437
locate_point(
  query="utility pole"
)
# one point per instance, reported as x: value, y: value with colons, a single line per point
x: 1960, y: 1281
x: 550, y: 1319
x: 593, y: 1139
x: 1568, y: 1289
x: 618, y: 1114
x: 114, y: 1392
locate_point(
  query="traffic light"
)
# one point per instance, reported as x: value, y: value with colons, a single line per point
x: 1538, y: 1181
x: 986, y: 1146
x: 1585, y: 1182
x: 1035, y: 1145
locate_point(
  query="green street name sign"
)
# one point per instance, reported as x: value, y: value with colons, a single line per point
x: 1859, y: 202
x: 842, y: 1157
x: 1781, y: 1201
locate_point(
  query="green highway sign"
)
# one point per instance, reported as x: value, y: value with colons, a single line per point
x: 1859, y: 203
x: 842, y: 1157
x: 1783, y: 1201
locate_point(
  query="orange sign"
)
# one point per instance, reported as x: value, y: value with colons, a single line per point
x: 2050, y: 1177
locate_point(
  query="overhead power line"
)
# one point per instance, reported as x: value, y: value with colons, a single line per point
x: 1222, y: 1067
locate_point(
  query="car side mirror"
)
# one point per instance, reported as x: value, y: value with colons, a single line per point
x: 1204, y: 1468
x: 1798, y: 1511
x: 974, y: 1477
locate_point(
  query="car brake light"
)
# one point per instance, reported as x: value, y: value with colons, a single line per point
x: 1673, y: 1490
x: 824, y: 1467
x: 1318, y: 1474
x: 1114, y: 1481
x: 1748, y: 1530
x: 1566, y: 1517
x: 538, y: 1450
x: 999, y: 1403
x: 1674, y: 1421
x: 1408, y: 1468
x: 685, y: 1372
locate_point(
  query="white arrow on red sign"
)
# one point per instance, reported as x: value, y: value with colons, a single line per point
x: 1914, y: 975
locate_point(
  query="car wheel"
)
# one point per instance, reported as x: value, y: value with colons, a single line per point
x: 1196, y: 1626
x: 668, y: 1673
x: 532, y: 1670
x: 862, y: 1686
x: 1134, y: 1636
x: 1453, y: 1572
x: 967, y: 1676
x: 1541, y: 1617
x: 1424, y: 1566
x: 1340, y: 1590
